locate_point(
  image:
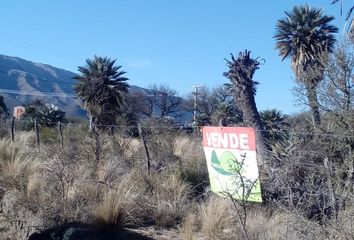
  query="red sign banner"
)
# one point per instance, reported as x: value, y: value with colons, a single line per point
x: 241, y: 138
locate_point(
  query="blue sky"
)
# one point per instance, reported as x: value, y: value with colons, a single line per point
x: 172, y: 42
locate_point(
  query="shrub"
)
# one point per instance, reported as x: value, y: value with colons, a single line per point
x: 216, y: 216
x: 118, y: 207
x: 187, y: 230
x: 164, y: 199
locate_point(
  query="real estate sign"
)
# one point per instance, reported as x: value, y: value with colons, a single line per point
x: 232, y: 164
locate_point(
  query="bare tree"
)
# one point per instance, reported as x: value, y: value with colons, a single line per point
x: 213, y: 105
x: 337, y: 89
x: 163, y: 101
x: 140, y: 103
x: 206, y: 103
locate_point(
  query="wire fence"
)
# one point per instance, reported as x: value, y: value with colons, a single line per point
x: 56, y: 130
x: 20, y: 123
x: 64, y: 132
x: 338, y: 171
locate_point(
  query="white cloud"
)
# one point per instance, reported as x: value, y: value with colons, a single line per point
x: 139, y: 64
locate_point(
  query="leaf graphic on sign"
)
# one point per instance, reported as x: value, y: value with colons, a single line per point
x: 229, y: 162
x: 227, y: 165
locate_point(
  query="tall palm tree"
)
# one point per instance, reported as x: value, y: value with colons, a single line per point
x: 306, y: 36
x: 242, y: 85
x: 101, y: 87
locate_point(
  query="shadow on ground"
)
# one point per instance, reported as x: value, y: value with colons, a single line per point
x: 79, y: 231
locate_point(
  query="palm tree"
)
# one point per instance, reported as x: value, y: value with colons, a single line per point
x: 306, y: 37
x: 275, y: 124
x: 101, y: 86
x: 242, y: 85
x: 227, y: 113
x: 47, y: 115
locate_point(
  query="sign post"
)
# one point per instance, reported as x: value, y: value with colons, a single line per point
x: 230, y: 153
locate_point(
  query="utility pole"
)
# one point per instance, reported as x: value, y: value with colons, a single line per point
x: 195, y: 93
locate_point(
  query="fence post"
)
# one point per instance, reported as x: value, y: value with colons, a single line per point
x: 61, y: 134
x: 36, y: 131
x: 142, y: 136
x: 13, y: 129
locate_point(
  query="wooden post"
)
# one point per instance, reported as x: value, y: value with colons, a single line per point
x: 96, y: 136
x: 13, y: 129
x: 61, y: 134
x: 142, y: 136
x: 36, y: 131
x: 332, y: 198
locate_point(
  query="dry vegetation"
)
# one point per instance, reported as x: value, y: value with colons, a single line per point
x: 107, y: 181
x: 69, y: 193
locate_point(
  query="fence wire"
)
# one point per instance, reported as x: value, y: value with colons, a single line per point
x: 19, y: 123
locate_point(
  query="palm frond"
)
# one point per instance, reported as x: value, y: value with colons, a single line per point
x: 241, y: 71
x: 101, y: 85
x: 303, y: 35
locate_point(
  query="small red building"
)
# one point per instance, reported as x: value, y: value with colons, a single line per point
x: 18, y: 111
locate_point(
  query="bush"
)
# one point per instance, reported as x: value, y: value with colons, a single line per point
x: 118, y: 207
x: 216, y: 216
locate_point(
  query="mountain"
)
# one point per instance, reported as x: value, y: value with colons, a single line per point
x: 22, y: 81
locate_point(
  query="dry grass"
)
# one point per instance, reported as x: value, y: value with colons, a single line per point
x: 187, y: 230
x: 9, y: 150
x: 118, y: 207
x: 342, y: 227
x: 14, y: 162
x: 216, y: 216
x: 185, y: 147
x: 219, y: 221
x: 6, y: 152
x: 192, y: 168
x: 168, y: 201
x: 265, y: 224
x: 51, y: 186
x: 14, y: 171
x: 127, y: 146
x: 111, y: 170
